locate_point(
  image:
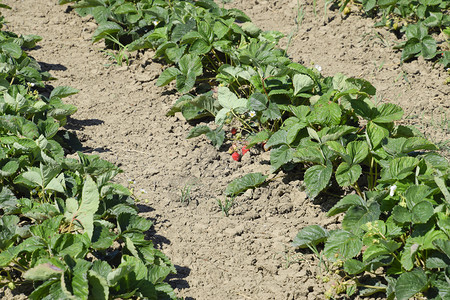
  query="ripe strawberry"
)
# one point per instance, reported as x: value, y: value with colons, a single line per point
x: 233, y: 131
x: 245, y: 150
x: 236, y: 156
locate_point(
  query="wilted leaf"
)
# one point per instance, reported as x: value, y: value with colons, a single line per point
x: 42, y: 272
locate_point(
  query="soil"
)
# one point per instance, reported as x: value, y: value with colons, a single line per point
x: 122, y: 117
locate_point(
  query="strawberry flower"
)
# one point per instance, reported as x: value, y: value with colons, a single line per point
x: 392, y: 190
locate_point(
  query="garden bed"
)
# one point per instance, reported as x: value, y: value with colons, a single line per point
x: 122, y: 117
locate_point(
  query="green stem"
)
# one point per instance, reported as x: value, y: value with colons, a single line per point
x: 212, y: 63
x: 243, y: 121
x: 371, y: 286
x: 356, y: 187
x: 216, y: 56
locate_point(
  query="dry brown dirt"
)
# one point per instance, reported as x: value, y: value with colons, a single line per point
x: 121, y: 117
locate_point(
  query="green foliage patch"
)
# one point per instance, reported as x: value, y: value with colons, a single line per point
x: 416, y: 20
x: 66, y: 230
x: 396, y: 205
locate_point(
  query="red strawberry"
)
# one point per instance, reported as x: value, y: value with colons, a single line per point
x: 245, y: 150
x: 236, y: 156
x: 233, y: 131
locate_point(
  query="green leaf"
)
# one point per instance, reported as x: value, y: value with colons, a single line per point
x: 422, y: 212
x: 126, y: 8
x: 30, y: 130
x: 294, y: 130
x: 257, y: 102
x: 410, y: 283
x: 357, y: 216
x: 32, y: 178
x: 88, y: 206
x: 277, y: 138
x: 260, y: 137
x: 339, y: 149
x: 302, y: 83
x: 399, y: 168
x: 411, y: 49
x: 388, y: 112
x: 251, y: 29
x: 62, y: 92
x: 335, y: 132
x: 271, y: 113
x: 443, y: 246
x: 345, y: 203
x: 43, y: 272
x: 353, y: 266
x: 309, y: 155
x: 102, y: 238
x: 358, y: 151
x: 9, y: 169
x: 116, y: 275
x: 191, y: 64
x: 198, y: 131
x: 417, y: 143
x: 326, y: 113
x: 415, y: 194
x: 443, y: 187
x: 80, y: 285
x: 12, y: 49
x: 98, y: 285
x: 244, y: 183
x: 401, y: 214
x: 229, y: 100
x: 185, y: 82
x: 56, y: 184
x: 181, y: 29
x: 347, y: 175
x: 216, y: 136
x: 437, y: 260
x: 317, y: 178
x: 342, y: 245
x: 43, y: 290
x: 280, y: 156
x: 429, y: 47
x: 104, y: 30
x: 48, y: 127
x: 310, y: 235
x: 167, y: 76
x: 379, y: 248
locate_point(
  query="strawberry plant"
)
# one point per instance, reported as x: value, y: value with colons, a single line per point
x: 68, y: 231
x: 396, y: 199
x: 414, y: 19
x: 400, y: 226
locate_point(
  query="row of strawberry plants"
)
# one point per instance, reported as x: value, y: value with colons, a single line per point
x: 67, y: 231
x: 416, y: 20
x: 224, y: 67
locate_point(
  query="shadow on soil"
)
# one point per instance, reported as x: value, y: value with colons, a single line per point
x: 75, y: 124
x: 178, y: 280
x: 52, y: 67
